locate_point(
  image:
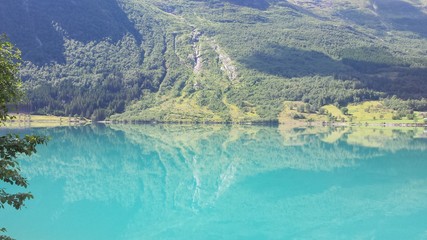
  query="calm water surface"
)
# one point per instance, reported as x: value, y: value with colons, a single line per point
x: 224, y: 182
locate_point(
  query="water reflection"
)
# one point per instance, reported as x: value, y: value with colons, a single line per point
x: 199, y: 163
x: 259, y: 182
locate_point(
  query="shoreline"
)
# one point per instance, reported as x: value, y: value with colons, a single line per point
x: 28, y: 121
x: 275, y: 123
x: 25, y: 120
x: 47, y: 124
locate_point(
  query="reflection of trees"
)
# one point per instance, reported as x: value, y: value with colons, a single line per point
x: 320, y: 215
x: 384, y: 138
x: 388, y: 139
x: 177, y: 174
x: 77, y: 155
x: 186, y: 166
x: 306, y: 216
x: 192, y: 165
x: 217, y: 155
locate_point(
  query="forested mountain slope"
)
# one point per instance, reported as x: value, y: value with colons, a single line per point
x: 215, y: 60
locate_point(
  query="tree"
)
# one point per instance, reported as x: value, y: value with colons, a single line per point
x: 12, y: 145
x: 9, y: 82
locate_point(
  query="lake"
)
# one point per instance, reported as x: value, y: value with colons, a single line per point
x: 224, y: 182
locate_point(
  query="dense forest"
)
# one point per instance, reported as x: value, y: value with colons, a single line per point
x: 216, y: 60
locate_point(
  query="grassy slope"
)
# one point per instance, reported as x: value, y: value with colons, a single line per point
x: 218, y: 61
x: 279, y: 44
x: 369, y: 112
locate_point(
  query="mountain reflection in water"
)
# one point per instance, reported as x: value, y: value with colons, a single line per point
x: 207, y: 182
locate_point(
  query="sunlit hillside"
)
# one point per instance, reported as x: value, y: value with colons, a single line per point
x: 216, y: 60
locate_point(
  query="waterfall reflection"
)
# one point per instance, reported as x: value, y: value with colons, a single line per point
x: 177, y: 176
x: 191, y: 166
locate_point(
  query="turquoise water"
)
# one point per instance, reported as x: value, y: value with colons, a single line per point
x: 224, y: 182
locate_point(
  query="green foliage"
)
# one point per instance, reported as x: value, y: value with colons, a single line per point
x: 103, y: 76
x: 2, y: 237
x: 410, y: 116
x: 322, y: 111
x: 406, y: 105
x: 297, y: 116
x: 11, y: 146
x: 396, y: 117
x: 257, y: 52
x: 344, y: 110
x: 9, y: 81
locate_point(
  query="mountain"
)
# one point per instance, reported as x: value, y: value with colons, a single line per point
x: 215, y: 60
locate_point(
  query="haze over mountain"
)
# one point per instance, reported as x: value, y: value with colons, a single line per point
x: 215, y: 60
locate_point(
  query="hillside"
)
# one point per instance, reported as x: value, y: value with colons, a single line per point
x: 215, y: 60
